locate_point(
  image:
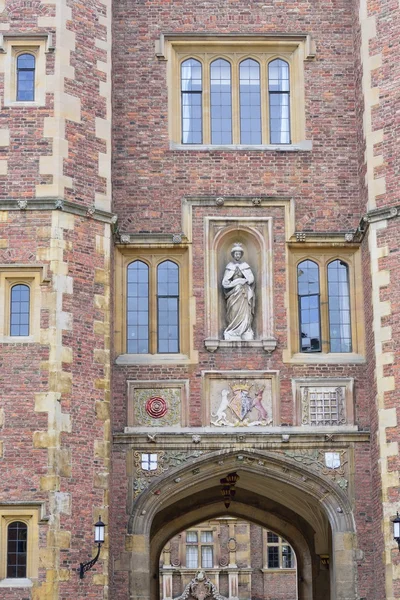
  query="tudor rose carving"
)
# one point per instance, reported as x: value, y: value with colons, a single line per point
x: 238, y: 284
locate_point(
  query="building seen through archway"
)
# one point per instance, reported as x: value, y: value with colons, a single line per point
x: 242, y: 560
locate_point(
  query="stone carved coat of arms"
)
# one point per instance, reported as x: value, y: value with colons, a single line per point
x: 242, y: 404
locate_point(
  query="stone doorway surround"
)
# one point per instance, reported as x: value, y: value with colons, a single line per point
x: 298, y: 500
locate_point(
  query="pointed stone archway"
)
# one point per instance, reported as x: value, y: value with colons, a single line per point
x: 307, y: 509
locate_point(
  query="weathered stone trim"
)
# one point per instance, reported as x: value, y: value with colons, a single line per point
x: 211, y: 440
x: 60, y: 204
x: 50, y: 402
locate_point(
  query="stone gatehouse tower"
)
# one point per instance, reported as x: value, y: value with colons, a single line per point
x: 199, y: 288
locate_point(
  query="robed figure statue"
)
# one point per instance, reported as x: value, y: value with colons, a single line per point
x: 238, y: 284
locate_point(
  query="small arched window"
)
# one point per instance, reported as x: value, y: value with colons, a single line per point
x: 279, y: 101
x: 26, y: 77
x: 309, y: 306
x: 138, y: 308
x: 339, y: 307
x: 191, y: 99
x: 20, y: 310
x: 168, y: 306
x: 221, y: 102
x: 17, y: 537
x: 250, y: 102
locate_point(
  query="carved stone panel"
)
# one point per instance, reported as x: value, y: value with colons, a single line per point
x: 324, y: 402
x: 240, y: 398
x: 157, y: 403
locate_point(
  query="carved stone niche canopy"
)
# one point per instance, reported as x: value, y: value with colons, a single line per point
x: 324, y: 402
x: 240, y: 398
x: 157, y: 403
x: 254, y: 234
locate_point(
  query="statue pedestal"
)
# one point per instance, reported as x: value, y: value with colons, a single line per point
x: 267, y: 344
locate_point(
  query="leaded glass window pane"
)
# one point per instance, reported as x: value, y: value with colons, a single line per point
x: 17, y: 536
x: 138, y: 308
x: 272, y: 537
x: 207, y: 561
x: 287, y: 557
x: 250, y: 102
x: 309, y: 306
x: 207, y: 537
x: 20, y: 310
x: 192, y: 557
x: 191, y: 98
x: 25, y: 78
x: 168, y: 306
x: 221, y: 102
x: 191, y: 536
x: 273, y: 557
x: 339, y: 307
x: 279, y: 106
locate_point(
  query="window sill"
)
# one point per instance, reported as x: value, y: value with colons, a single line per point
x: 306, y: 145
x: 334, y: 358
x: 21, y: 104
x: 279, y: 570
x: 154, y: 359
x: 17, y: 339
x: 22, y: 582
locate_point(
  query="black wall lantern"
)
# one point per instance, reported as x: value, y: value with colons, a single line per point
x: 396, y: 529
x: 98, y: 539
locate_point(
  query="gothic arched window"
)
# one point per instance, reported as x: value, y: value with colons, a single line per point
x: 221, y: 102
x: 191, y: 98
x: 250, y: 102
x: 17, y: 537
x: 339, y: 307
x: 26, y: 64
x: 138, y: 308
x: 279, y: 101
x: 309, y: 306
x: 20, y: 310
x: 168, y: 306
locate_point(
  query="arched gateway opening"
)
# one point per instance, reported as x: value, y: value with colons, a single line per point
x: 239, y: 558
x: 278, y: 493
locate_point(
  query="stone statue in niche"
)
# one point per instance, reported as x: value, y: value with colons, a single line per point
x: 238, y: 284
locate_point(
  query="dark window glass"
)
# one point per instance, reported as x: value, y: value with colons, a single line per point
x: 339, y: 307
x: 279, y: 110
x: 17, y: 536
x: 168, y: 306
x: 25, y: 78
x: 138, y: 308
x: 191, y: 90
x: 250, y: 102
x: 272, y: 537
x: 309, y: 306
x: 273, y: 557
x: 221, y: 102
x: 19, y: 310
x: 287, y: 557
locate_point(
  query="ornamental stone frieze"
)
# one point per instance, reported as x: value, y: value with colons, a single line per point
x: 330, y: 460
